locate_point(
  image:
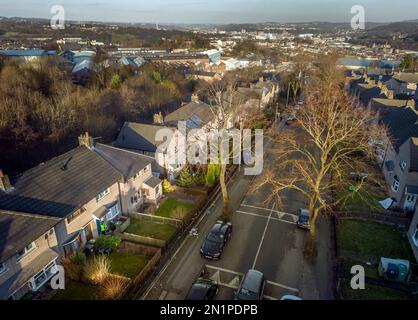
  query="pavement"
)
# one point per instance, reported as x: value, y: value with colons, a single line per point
x: 264, y: 238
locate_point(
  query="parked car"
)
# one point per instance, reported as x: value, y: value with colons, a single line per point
x: 203, y: 289
x: 252, y: 286
x: 216, y: 240
x: 303, y: 220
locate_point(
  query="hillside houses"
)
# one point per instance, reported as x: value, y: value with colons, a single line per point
x: 78, y: 195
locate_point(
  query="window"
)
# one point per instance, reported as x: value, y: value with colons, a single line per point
x: 415, y: 236
x: 43, y: 276
x: 88, y: 232
x: 25, y: 251
x: 75, y: 214
x: 113, y: 212
x: 402, y: 164
x: 71, y: 247
x: 102, y: 194
x: 410, y: 198
x: 2, y: 268
x: 396, y: 184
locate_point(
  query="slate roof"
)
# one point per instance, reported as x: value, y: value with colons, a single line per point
x: 24, y: 53
x: 386, y: 105
x: 197, y: 113
x: 406, y: 77
x: 18, y: 229
x: 367, y: 91
x: 21, y: 277
x: 152, y: 181
x: 139, y: 136
x: 50, y: 190
x: 402, y: 124
x: 126, y: 162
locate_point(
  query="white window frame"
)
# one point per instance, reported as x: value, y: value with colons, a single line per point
x: 102, y: 194
x: 415, y: 236
x: 47, y: 272
x: 109, y: 215
x: 395, y: 185
x: 26, y: 251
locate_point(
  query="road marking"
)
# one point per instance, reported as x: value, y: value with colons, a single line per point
x: 267, y: 209
x: 235, y: 282
x: 262, y: 238
x: 216, y: 277
x: 282, y: 286
x: 265, y: 217
x: 223, y: 270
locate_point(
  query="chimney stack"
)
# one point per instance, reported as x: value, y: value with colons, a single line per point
x: 5, y: 184
x: 86, y: 140
x: 158, y: 118
x: 410, y: 103
x: 195, y: 97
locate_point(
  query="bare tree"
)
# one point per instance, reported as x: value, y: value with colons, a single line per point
x: 224, y: 103
x: 333, y: 138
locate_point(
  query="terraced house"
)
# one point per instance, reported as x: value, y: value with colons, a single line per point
x: 83, y: 192
x: 28, y: 252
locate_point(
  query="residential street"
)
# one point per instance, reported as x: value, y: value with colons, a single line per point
x: 264, y: 238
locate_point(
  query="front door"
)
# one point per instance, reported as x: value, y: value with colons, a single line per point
x: 88, y: 232
x: 410, y: 201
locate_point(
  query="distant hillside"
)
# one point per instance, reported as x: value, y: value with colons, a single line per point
x: 398, y: 27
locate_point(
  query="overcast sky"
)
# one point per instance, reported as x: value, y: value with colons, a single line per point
x: 213, y: 11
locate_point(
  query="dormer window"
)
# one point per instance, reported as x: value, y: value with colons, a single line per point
x: 402, y: 164
x: 25, y: 251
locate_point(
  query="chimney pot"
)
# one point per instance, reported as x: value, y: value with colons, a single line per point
x: 410, y: 103
x: 86, y: 140
x: 5, y: 184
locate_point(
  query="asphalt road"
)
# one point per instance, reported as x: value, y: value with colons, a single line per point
x: 264, y: 237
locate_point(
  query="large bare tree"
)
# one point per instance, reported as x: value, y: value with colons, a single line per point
x: 225, y: 103
x: 332, y: 140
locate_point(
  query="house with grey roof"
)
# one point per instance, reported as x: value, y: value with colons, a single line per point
x: 139, y: 185
x: 403, y: 84
x: 401, y: 174
x: 87, y: 189
x: 141, y: 138
x: 197, y: 115
x: 28, y: 252
x: 413, y: 233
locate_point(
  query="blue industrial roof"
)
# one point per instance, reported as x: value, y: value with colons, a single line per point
x: 23, y: 53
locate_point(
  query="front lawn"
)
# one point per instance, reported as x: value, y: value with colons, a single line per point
x: 360, y: 242
x: 368, y: 238
x: 78, y: 291
x: 360, y: 200
x: 127, y: 264
x: 156, y: 230
x: 174, y: 208
x: 371, y: 293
